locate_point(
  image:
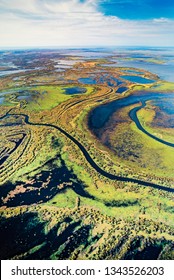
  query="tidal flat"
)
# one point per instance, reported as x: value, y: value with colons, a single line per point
x: 87, y: 154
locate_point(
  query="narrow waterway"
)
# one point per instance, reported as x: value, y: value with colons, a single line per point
x: 90, y: 160
x: 133, y: 116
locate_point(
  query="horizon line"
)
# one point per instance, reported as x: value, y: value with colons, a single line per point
x: 82, y: 47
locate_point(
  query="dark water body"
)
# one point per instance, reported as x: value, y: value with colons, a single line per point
x: 87, y: 81
x: 74, y: 90
x: 101, y: 114
x: 99, y: 117
x: 137, y: 79
x: 22, y: 233
x: 38, y: 194
x: 121, y: 89
x: 90, y: 160
x: 19, y: 234
x: 133, y: 116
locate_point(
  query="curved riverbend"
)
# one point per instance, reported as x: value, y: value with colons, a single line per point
x: 91, y: 161
x: 100, y: 115
x: 133, y: 116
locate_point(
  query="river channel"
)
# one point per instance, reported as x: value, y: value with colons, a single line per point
x: 89, y: 158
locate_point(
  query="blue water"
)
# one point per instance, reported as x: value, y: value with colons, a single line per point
x: 110, y: 80
x: 74, y: 90
x: 164, y: 71
x: 165, y: 105
x: 101, y: 114
x: 87, y: 81
x: 137, y: 79
x: 121, y: 89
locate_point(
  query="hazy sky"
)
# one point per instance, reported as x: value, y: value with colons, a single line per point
x: 86, y: 23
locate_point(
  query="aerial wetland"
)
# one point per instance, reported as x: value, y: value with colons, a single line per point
x: 87, y: 154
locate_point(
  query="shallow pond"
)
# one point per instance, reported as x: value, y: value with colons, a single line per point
x: 137, y: 79
x: 74, y: 90
x: 121, y: 89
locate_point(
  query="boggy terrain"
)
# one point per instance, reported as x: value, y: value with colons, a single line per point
x: 86, y: 156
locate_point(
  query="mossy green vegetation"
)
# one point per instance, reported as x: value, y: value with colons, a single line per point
x: 164, y: 86
x: 56, y: 204
x: 49, y: 97
x: 146, y: 117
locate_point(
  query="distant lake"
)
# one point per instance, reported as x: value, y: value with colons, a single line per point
x: 164, y: 71
x: 87, y: 53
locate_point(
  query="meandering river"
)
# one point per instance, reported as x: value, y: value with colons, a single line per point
x: 89, y: 158
x: 99, y: 116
